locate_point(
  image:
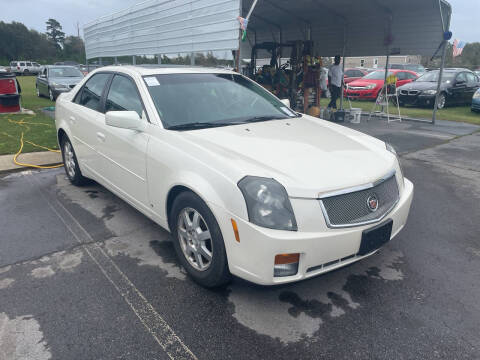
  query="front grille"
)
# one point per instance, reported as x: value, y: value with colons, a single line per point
x: 352, y: 208
x: 413, y: 92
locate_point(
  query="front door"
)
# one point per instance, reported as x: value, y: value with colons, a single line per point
x: 125, y: 150
x: 86, y: 123
x: 459, y: 89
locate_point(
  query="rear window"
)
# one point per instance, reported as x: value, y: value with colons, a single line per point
x: 13, y: 63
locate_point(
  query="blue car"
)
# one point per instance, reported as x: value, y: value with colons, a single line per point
x: 476, y: 101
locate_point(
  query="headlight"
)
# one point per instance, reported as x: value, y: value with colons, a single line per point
x: 267, y: 203
x: 371, y: 86
x: 58, y: 86
x: 476, y: 95
x: 429, y: 92
x: 394, y: 152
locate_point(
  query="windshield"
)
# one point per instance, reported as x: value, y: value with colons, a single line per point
x: 432, y: 76
x: 416, y: 68
x: 206, y: 100
x: 377, y: 75
x: 61, y: 72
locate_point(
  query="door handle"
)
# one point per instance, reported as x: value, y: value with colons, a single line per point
x: 101, y: 136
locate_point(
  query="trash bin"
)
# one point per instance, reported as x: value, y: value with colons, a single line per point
x: 9, y: 94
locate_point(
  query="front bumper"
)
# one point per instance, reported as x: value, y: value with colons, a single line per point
x: 320, y: 251
x: 419, y: 99
x: 362, y: 94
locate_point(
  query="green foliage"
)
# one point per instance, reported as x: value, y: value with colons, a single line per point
x: 19, y: 43
x: 469, y: 59
x: 55, y: 33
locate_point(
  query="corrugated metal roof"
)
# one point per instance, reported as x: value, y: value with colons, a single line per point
x: 182, y: 26
x: 165, y: 27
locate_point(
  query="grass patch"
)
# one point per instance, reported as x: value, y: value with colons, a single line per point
x: 456, y: 113
x: 38, y: 128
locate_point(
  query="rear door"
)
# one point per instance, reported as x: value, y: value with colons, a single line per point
x: 86, y: 122
x: 472, y: 86
x: 124, y: 150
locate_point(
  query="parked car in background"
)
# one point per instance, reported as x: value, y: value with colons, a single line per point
x: 457, y: 88
x: 416, y: 68
x: 172, y: 142
x: 354, y: 74
x: 370, y: 85
x: 477, y: 72
x: 24, y: 67
x: 55, y: 80
x: 476, y: 101
x: 4, y: 69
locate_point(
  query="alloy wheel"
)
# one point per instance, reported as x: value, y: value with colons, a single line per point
x: 195, y: 239
x: 70, y: 165
x: 441, y: 101
x: 50, y: 94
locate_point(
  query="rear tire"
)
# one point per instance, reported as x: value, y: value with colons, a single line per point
x: 70, y: 163
x: 208, y: 267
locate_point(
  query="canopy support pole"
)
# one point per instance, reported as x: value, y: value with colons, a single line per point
x: 343, y: 64
x: 159, y: 56
x: 134, y: 60
x: 439, y: 84
x: 446, y: 27
x: 192, y: 59
x: 385, y: 86
x: 116, y: 60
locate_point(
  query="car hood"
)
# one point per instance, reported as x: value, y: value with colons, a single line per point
x: 66, y: 81
x: 422, y: 85
x: 308, y: 156
x: 365, y: 82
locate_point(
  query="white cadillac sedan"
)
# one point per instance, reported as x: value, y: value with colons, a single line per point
x: 245, y: 185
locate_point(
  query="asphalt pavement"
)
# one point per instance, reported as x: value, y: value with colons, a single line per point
x: 85, y: 276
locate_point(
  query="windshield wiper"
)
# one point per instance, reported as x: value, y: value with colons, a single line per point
x: 197, y: 125
x: 264, y: 118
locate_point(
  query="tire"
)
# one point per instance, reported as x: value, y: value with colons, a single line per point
x: 188, y: 243
x: 72, y: 169
x: 442, y: 99
x: 26, y: 72
x: 51, y: 96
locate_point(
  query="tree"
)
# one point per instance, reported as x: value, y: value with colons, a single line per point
x: 55, y: 33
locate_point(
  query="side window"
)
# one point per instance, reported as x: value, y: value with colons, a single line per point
x: 402, y: 75
x: 358, y: 73
x: 461, y: 77
x: 471, y: 80
x: 13, y: 64
x: 92, y: 91
x: 123, y: 96
x: 22, y: 64
x: 411, y: 76
x: 350, y: 73
x: 29, y: 64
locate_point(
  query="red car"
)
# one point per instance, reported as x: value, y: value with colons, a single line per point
x: 354, y: 74
x: 370, y: 85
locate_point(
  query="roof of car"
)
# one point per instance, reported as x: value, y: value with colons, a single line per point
x: 143, y: 70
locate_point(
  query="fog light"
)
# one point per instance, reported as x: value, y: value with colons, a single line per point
x: 286, y: 265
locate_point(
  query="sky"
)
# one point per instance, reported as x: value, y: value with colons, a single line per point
x: 34, y: 14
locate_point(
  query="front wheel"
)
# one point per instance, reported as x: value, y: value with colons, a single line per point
x: 70, y: 163
x: 198, y: 241
x: 441, y: 101
x: 51, y: 95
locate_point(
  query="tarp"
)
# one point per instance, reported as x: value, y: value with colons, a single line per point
x: 362, y: 27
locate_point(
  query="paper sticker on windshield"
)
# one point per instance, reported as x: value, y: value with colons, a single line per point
x: 287, y: 111
x: 152, y: 81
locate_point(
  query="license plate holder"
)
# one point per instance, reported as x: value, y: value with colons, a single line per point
x: 374, y: 238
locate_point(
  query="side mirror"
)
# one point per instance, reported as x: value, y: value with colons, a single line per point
x: 286, y: 102
x: 42, y: 76
x: 123, y: 120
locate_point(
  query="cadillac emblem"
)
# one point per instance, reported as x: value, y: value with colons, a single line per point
x: 372, y: 203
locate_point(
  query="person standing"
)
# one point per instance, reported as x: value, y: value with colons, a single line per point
x: 335, y: 79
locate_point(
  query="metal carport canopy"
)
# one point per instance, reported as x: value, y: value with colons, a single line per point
x: 364, y: 27
x: 183, y: 26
